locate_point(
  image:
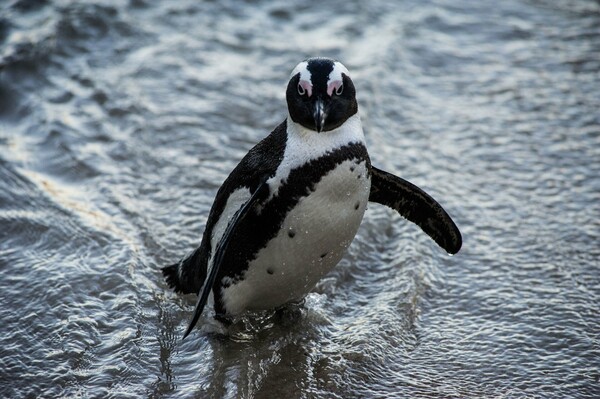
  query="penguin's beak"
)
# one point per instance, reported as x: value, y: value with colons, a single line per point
x: 319, y: 114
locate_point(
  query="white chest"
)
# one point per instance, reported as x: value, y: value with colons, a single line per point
x: 314, y: 236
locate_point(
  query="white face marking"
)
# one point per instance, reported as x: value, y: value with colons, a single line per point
x: 305, y: 76
x: 335, y: 79
x: 314, y: 236
x: 338, y: 69
x: 302, y: 68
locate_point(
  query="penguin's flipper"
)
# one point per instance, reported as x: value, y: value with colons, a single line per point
x: 417, y: 206
x: 219, y: 253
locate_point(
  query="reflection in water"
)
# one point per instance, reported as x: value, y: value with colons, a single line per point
x: 119, y: 120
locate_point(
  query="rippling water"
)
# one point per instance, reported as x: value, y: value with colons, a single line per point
x: 119, y: 120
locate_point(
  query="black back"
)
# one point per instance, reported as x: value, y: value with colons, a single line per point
x: 259, y: 164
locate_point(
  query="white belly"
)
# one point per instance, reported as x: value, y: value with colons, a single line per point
x: 313, y: 239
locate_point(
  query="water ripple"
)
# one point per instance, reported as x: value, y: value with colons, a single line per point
x: 119, y: 120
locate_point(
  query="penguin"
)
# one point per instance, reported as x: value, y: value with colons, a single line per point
x: 288, y: 211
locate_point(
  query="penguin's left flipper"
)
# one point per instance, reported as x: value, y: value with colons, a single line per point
x: 220, y: 251
x: 417, y: 206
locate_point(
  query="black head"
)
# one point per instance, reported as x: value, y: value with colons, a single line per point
x: 320, y: 94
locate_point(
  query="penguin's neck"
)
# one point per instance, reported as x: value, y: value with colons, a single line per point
x: 305, y: 144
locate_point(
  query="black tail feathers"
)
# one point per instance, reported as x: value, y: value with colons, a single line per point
x: 187, y: 275
x: 171, y: 274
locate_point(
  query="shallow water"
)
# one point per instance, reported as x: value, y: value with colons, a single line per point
x: 119, y: 120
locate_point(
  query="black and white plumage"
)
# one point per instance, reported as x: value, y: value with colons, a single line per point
x: 289, y: 210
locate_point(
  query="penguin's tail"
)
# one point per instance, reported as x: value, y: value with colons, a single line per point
x: 187, y: 275
x: 171, y: 274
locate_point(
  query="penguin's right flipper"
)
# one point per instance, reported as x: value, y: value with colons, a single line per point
x: 417, y: 206
x: 220, y: 252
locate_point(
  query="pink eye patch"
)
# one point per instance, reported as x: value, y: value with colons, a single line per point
x: 334, y: 85
x: 304, y: 84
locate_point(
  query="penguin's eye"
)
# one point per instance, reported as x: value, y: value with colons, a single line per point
x: 339, y: 90
x: 301, y: 90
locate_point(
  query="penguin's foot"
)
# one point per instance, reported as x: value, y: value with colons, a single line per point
x: 290, y: 311
x: 223, y: 319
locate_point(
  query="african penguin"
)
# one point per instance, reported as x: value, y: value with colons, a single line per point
x: 289, y: 210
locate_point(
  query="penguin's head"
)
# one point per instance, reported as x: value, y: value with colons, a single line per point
x: 320, y: 94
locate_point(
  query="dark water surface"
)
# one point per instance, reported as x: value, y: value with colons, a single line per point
x: 120, y: 119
